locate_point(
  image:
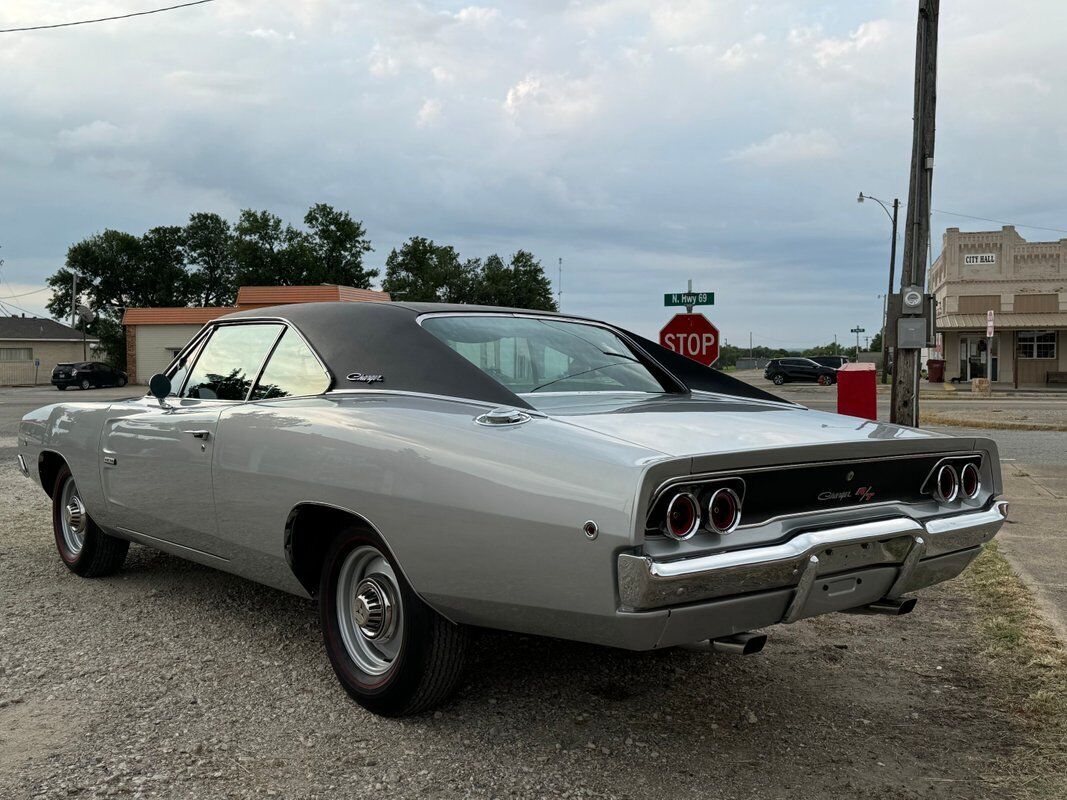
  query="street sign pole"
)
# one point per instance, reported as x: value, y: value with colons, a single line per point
x: 989, y: 320
x: 858, y: 330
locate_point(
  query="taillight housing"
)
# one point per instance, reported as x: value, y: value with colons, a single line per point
x: 723, y: 510
x: 682, y: 518
x: 970, y: 481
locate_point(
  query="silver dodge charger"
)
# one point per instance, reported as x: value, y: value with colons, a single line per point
x: 424, y: 470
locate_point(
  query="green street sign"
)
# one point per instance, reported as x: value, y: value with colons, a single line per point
x: 689, y: 299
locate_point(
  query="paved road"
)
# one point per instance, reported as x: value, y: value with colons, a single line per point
x: 16, y: 401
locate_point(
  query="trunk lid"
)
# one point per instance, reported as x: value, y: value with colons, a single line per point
x: 700, y: 424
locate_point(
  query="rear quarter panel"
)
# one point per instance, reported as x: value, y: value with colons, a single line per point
x: 486, y: 522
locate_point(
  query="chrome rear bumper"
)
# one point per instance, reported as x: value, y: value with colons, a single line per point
x: 646, y: 584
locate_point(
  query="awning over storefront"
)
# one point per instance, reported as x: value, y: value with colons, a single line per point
x: 1007, y: 319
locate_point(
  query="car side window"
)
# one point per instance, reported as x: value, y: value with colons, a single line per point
x: 230, y: 361
x: 293, y: 371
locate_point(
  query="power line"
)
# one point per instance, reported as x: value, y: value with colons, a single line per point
x: 24, y: 294
x: 106, y: 19
x: 999, y: 221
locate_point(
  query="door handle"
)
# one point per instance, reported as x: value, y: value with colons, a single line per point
x: 199, y: 434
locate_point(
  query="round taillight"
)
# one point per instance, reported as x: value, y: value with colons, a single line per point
x: 948, y: 484
x: 970, y: 481
x: 724, y: 510
x: 683, y: 516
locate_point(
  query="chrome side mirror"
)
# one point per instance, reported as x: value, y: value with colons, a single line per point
x: 159, y: 388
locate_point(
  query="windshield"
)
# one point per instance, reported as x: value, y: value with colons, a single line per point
x: 531, y: 355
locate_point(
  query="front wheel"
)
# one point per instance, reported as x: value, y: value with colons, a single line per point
x: 392, y: 653
x: 84, y: 548
x: 778, y: 380
x: 85, y: 383
x: 825, y: 380
x: 122, y: 381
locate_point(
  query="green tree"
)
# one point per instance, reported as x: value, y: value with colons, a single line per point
x: 264, y: 248
x: 337, y: 244
x: 117, y: 270
x: 422, y: 271
x: 209, y: 253
x: 520, y: 284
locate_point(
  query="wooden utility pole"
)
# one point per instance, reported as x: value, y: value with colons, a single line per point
x: 905, y: 403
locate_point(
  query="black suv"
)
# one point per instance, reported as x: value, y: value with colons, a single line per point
x: 783, y: 370
x: 87, y: 374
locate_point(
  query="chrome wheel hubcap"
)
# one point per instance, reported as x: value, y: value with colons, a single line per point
x: 369, y: 610
x: 74, y: 520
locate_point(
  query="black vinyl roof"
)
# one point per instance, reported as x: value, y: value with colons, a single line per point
x: 385, y: 339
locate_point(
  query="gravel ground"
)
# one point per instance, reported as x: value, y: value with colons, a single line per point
x: 173, y: 680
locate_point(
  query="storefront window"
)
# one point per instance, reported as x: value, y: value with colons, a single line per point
x: 1036, y: 344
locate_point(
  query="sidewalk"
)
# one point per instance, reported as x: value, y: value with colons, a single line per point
x: 1034, y: 539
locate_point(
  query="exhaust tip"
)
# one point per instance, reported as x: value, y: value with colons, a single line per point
x: 893, y: 608
x: 741, y: 644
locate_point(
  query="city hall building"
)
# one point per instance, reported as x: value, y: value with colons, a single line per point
x: 1024, y: 284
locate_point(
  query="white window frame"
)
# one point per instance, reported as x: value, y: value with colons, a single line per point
x: 1026, y: 343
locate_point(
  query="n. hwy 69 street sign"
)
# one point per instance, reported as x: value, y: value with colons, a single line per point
x: 693, y: 336
x: 689, y: 299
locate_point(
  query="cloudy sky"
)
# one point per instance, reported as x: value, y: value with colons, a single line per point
x: 644, y: 143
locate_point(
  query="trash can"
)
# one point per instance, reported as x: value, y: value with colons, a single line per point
x: 935, y: 370
x: 857, y: 395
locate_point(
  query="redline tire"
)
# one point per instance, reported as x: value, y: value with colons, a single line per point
x: 98, y: 554
x: 428, y: 665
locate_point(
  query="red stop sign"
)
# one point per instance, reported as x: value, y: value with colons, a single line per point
x: 693, y: 336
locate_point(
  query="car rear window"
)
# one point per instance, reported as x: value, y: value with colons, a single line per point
x: 542, y: 354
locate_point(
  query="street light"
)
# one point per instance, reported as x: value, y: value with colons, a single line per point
x: 892, y: 270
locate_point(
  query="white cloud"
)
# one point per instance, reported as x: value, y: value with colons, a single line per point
x: 788, y: 147
x: 271, y: 35
x: 828, y: 50
x: 551, y: 100
x: 477, y: 15
x: 441, y: 74
x: 382, y: 63
x: 94, y: 135
x: 429, y: 112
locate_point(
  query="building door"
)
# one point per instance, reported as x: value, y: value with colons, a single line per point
x: 973, y: 357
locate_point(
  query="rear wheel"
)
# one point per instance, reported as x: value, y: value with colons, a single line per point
x: 84, y: 548
x: 392, y: 653
x: 122, y: 380
x: 778, y: 379
x: 825, y: 380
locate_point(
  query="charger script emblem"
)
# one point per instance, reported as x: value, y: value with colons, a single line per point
x: 359, y: 377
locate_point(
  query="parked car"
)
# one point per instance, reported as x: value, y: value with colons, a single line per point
x: 784, y: 370
x: 423, y: 470
x: 87, y: 375
x: 831, y: 361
